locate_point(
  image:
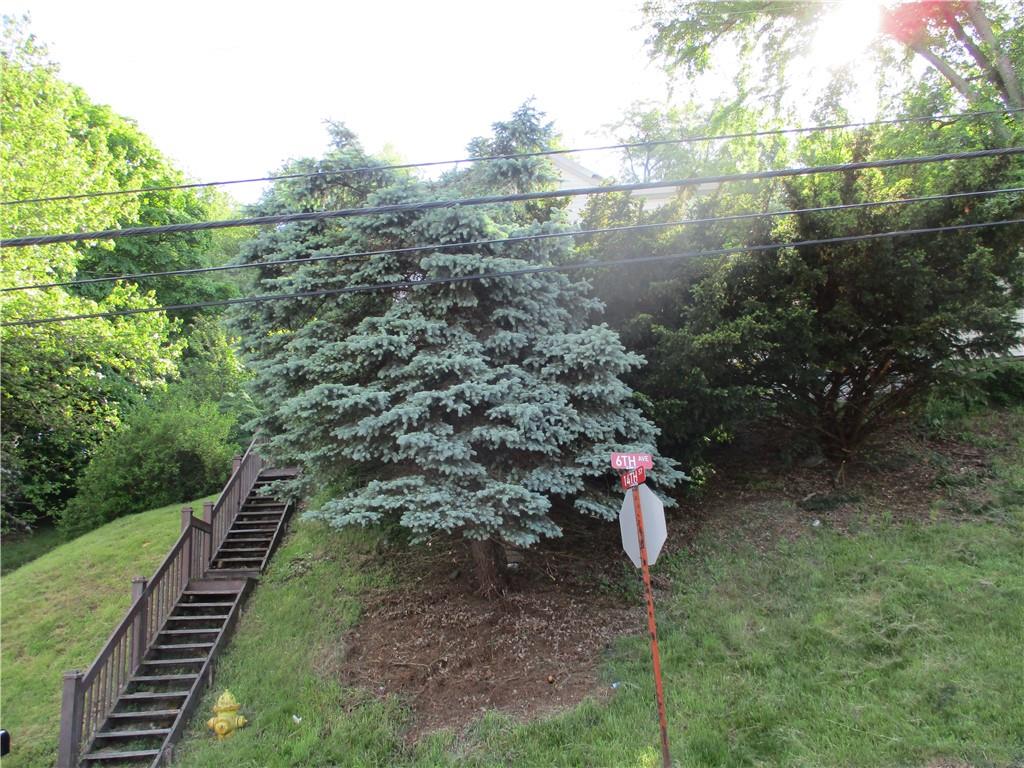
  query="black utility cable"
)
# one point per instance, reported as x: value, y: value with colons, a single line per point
x: 592, y: 264
x: 494, y: 199
x: 539, y: 153
x: 516, y: 239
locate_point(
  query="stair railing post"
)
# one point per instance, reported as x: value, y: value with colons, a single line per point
x: 236, y: 462
x: 70, y: 720
x: 186, y: 550
x: 139, y: 638
x: 208, y: 541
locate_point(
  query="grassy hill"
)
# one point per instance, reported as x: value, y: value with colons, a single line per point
x: 886, y: 635
x: 875, y: 625
x: 58, y: 610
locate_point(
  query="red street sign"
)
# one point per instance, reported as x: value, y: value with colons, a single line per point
x: 632, y: 478
x: 632, y: 460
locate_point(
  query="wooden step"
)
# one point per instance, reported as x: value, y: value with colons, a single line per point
x: 162, y: 678
x: 235, y: 573
x: 137, y: 754
x: 150, y: 714
x: 200, y: 631
x: 126, y: 734
x: 174, y: 662
x: 151, y: 695
x: 201, y: 605
x: 260, y: 513
x: 182, y: 647
x: 208, y: 617
x: 228, y: 597
x: 255, y: 559
x: 279, y: 473
x: 242, y: 540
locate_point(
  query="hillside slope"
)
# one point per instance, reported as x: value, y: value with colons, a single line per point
x: 59, y: 609
x: 874, y: 625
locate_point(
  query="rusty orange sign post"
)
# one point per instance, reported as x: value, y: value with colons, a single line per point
x: 632, y: 480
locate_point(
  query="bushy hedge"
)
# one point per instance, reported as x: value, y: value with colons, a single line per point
x: 170, y: 448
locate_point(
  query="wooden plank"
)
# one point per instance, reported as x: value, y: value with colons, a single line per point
x: 153, y: 695
x: 162, y: 678
x: 127, y: 734
x: 206, y: 673
x: 149, y: 714
x: 137, y: 754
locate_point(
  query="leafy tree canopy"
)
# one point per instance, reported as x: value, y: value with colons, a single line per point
x: 836, y: 339
x: 972, y: 47
x: 65, y: 386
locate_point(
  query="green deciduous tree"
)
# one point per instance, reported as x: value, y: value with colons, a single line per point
x: 838, y: 339
x: 66, y: 386
x: 973, y: 47
x: 477, y: 409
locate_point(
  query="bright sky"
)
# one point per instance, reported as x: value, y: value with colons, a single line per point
x: 231, y: 89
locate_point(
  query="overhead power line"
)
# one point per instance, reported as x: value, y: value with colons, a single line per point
x: 521, y: 155
x: 520, y: 238
x: 495, y: 199
x: 572, y: 266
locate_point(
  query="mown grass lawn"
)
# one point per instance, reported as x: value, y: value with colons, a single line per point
x: 896, y: 645
x: 58, y: 610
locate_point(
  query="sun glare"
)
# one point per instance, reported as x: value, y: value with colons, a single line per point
x: 846, y: 30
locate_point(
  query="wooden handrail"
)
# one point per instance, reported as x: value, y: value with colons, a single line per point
x: 89, y: 698
x: 229, y: 503
x: 235, y: 473
x: 133, y: 611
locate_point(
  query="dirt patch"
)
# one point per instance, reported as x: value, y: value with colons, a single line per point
x: 761, y: 494
x: 452, y: 655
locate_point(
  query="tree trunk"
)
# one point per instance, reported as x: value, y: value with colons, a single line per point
x: 964, y: 88
x: 487, y: 565
x: 1009, y: 77
x: 977, y: 54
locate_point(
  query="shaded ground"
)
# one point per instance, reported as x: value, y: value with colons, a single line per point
x: 452, y: 655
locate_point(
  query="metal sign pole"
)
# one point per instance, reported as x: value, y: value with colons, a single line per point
x: 666, y: 761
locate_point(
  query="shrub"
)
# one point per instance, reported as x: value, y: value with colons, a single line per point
x: 170, y: 448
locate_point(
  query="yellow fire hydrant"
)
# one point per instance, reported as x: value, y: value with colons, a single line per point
x: 226, y: 719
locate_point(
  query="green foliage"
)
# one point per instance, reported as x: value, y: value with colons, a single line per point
x: 972, y: 388
x: 66, y: 387
x: 972, y: 50
x: 838, y: 340
x: 475, y: 406
x: 170, y: 448
x: 211, y: 372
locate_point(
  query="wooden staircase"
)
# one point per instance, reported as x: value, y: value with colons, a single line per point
x: 132, y: 704
x: 257, y: 527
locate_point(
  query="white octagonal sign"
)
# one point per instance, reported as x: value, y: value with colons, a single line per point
x: 655, y: 531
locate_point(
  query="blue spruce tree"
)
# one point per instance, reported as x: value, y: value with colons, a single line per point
x: 473, y: 408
